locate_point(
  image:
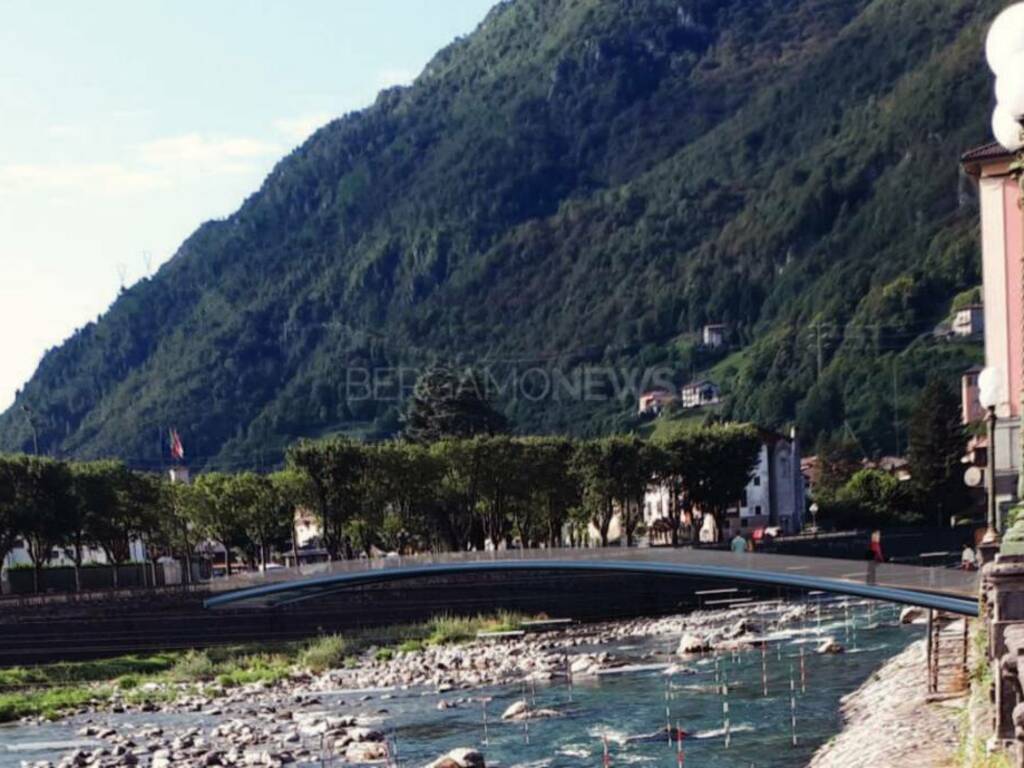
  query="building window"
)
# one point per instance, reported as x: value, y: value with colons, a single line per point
x: 743, y: 502
x: 757, y: 510
x: 757, y: 479
x: 743, y: 522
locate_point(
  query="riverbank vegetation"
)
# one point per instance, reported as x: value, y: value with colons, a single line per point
x: 53, y: 690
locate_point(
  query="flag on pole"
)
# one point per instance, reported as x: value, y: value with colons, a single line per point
x: 177, y: 449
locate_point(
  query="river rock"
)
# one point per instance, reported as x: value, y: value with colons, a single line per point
x: 464, y: 757
x: 690, y: 644
x: 913, y: 615
x: 515, y: 711
x: 830, y: 646
x: 366, y: 752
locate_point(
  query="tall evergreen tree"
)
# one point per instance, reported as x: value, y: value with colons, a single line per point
x: 937, y: 443
x: 449, y: 403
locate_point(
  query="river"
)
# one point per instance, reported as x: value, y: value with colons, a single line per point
x: 609, y: 710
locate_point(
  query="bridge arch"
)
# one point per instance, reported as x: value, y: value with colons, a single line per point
x: 896, y: 584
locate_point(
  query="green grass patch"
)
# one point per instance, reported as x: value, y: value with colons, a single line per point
x: 49, y: 703
x: 102, y: 670
x: 263, y: 668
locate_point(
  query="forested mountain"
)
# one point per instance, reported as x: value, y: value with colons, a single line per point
x: 576, y: 183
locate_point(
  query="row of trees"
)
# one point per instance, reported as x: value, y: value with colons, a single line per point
x: 448, y: 494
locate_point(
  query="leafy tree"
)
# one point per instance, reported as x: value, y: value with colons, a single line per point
x: 131, y: 513
x: 43, y: 492
x: 872, y: 497
x: 334, y: 468
x: 456, y: 524
x: 554, y: 489
x: 263, y: 520
x: 593, y: 467
x: 632, y: 464
x: 447, y: 403
x: 10, y: 511
x: 723, y: 457
x: 292, y: 490
x: 95, y: 486
x: 217, y: 516
x: 937, y: 444
x: 838, y: 461
x: 180, y: 526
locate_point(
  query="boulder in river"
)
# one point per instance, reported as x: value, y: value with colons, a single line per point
x: 913, y: 615
x: 515, y: 711
x: 690, y: 644
x: 464, y: 757
x: 830, y: 646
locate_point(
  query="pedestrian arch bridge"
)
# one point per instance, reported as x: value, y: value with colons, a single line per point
x: 942, y: 589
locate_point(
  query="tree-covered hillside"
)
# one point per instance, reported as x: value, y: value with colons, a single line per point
x: 577, y: 183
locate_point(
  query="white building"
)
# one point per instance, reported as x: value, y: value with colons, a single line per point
x: 713, y: 335
x: 700, y: 393
x: 968, y: 321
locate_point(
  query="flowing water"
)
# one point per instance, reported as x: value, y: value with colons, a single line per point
x: 602, y: 717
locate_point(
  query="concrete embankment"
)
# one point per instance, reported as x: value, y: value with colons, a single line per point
x: 73, y: 631
x: 889, y: 722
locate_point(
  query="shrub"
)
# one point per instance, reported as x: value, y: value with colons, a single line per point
x: 324, y: 653
x: 384, y: 654
x: 128, y: 682
x: 194, y: 665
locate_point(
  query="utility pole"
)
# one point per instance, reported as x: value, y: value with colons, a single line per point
x: 895, y: 403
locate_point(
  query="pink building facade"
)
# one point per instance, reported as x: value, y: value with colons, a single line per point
x: 1002, y: 246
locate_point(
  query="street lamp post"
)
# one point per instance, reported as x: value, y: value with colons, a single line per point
x: 990, y: 395
x: 814, y: 517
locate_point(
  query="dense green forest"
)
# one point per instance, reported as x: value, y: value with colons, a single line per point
x: 578, y: 183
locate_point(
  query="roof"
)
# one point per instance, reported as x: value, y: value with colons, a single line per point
x: 992, y: 152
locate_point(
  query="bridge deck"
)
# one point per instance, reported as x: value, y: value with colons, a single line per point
x: 949, y: 590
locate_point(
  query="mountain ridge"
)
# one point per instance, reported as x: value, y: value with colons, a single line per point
x: 573, y: 176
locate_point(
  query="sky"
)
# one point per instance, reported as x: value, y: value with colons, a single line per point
x: 124, y: 124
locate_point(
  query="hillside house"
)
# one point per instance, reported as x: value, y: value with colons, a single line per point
x: 968, y: 322
x: 652, y: 403
x: 971, y: 411
x: 700, y: 393
x: 713, y: 335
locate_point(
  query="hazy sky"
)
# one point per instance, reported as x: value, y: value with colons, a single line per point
x: 126, y: 123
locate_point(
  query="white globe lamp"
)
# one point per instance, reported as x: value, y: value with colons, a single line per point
x: 1007, y: 130
x: 1010, y: 86
x: 1005, y: 38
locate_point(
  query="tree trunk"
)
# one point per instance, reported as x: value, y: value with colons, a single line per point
x: 78, y: 567
x: 227, y: 560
